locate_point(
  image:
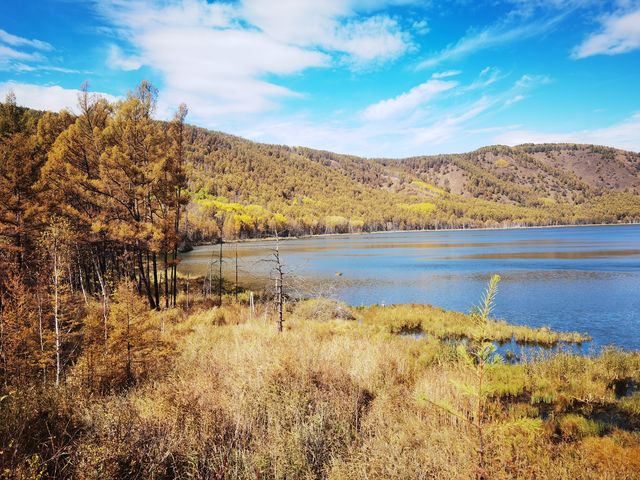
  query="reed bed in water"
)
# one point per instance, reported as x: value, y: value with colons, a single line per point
x: 445, y: 324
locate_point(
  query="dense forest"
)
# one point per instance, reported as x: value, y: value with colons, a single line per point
x: 114, y: 366
x: 91, y: 207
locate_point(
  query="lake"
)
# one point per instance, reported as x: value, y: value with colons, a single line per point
x: 583, y: 279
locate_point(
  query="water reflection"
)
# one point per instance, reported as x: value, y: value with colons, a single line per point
x: 555, y: 254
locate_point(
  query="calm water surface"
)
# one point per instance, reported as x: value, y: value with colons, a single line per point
x: 575, y: 278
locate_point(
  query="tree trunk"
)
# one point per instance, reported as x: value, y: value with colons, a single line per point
x: 144, y: 279
x: 56, y: 314
x: 280, y: 300
x: 220, y: 275
x: 129, y: 371
x: 156, y: 287
x: 166, y: 281
x: 105, y: 300
x: 236, y: 286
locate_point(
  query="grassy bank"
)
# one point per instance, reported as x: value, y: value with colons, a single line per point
x: 339, y: 394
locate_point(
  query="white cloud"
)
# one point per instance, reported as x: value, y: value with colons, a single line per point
x: 434, y: 117
x: 398, y: 137
x: 373, y: 40
x: 620, y: 33
x: 446, y: 74
x: 52, y: 98
x: 223, y: 58
x: 421, y: 27
x: 528, y: 80
x: 488, y: 76
x: 532, y: 8
x: 331, y: 25
x: 16, y: 41
x: 514, y: 100
x: 118, y: 60
x: 8, y: 53
x: 20, y: 54
x: 16, y: 52
x: 624, y: 135
x: 220, y: 72
x: 408, y: 101
x: 450, y: 127
x: 490, y: 37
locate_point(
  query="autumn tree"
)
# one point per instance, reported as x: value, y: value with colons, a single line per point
x: 135, y: 342
x: 173, y: 195
x: 56, y: 242
x: 20, y: 164
x: 20, y: 338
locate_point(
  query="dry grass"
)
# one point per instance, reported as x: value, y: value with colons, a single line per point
x: 333, y: 399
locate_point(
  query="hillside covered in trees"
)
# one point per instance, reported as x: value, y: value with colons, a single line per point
x: 243, y: 184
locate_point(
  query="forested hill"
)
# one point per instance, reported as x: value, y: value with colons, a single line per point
x: 233, y: 187
x: 243, y: 184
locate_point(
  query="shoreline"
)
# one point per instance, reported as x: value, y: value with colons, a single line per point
x: 382, y: 232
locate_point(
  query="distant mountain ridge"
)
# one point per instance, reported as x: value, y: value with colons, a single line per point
x: 522, y: 174
x: 324, y: 192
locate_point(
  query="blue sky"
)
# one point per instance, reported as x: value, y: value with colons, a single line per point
x: 376, y: 78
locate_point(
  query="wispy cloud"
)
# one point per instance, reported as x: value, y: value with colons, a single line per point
x: 436, y: 116
x: 490, y: 37
x: 619, y: 33
x: 513, y: 100
x: 330, y: 25
x: 443, y: 130
x: 16, y: 41
x: 488, y: 76
x: 421, y: 27
x: 19, y: 54
x: 446, y: 74
x: 117, y: 60
x: 7, y: 54
x: 407, y: 102
x: 533, y: 8
x: 18, y: 51
x: 529, y: 80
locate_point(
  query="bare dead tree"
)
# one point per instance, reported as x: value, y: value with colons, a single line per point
x: 279, y: 287
x: 220, y: 274
x: 277, y: 274
x: 236, y: 285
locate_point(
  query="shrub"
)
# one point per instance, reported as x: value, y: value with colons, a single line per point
x: 576, y: 427
x: 631, y: 404
x: 322, y: 310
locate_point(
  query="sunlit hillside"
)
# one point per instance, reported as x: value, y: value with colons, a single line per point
x: 323, y: 192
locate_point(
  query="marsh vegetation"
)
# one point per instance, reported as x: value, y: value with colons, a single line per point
x: 217, y: 392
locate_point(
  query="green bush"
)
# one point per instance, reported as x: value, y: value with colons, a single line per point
x: 577, y: 427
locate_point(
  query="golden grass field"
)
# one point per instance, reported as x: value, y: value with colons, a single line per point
x: 340, y: 394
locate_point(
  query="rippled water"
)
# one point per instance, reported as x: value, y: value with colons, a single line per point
x: 574, y: 278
